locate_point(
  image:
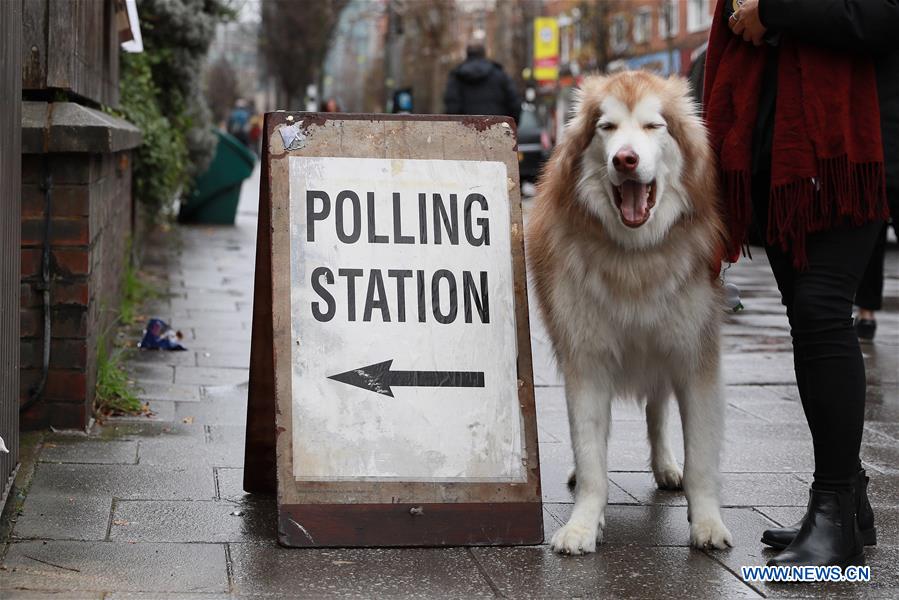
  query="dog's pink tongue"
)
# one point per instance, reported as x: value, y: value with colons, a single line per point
x: 634, y: 200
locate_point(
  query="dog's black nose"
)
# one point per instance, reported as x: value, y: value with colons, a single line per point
x: 625, y: 160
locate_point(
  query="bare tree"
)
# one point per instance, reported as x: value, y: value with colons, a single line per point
x: 427, y: 51
x: 596, y: 19
x: 221, y: 88
x: 294, y: 38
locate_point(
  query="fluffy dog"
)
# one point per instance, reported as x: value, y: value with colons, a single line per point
x: 623, y: 245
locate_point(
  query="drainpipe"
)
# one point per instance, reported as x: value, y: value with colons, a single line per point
x: 43, y: 286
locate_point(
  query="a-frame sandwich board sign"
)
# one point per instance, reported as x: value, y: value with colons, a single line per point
x: 391, y: 398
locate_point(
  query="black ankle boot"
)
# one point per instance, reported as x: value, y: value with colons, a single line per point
x: 829, y: 534
x: 865, y: 329
x: 780, y: 537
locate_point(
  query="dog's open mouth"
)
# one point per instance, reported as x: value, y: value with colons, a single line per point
x: 634, y: 201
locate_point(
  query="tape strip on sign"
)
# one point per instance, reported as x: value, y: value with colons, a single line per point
x: 400, y: 353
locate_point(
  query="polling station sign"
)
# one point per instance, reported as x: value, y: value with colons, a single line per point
x: 400, y: 364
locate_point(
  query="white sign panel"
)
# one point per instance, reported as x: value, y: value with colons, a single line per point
x: 403, y: 322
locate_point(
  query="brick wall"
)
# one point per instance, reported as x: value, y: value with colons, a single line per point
x: 90, y: 226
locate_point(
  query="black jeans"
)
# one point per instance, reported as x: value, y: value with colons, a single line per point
x: 830, y: 371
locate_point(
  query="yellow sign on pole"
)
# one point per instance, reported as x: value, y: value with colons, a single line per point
x: 546, y: 49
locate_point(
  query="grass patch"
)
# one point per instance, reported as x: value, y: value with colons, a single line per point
x: 135, y: 289
x: 115, y: 391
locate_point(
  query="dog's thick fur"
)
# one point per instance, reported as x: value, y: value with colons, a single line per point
x: 634, y: 311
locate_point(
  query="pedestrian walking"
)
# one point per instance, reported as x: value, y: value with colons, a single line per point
x: 480, y: 86
x: 869, y: 297
x: 331, y: 106
x: 239, y: 121
x: 802, y: 107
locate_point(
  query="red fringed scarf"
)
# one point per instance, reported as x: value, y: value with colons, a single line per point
x: 827, y: 156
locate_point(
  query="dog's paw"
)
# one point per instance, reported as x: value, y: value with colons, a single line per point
x: 668, y: 477
x: 575, y: 539
x: 710, y: 532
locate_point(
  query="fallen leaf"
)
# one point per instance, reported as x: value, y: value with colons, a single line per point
x: 187, y: 420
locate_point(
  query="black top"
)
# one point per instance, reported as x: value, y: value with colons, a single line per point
x: 479, y: 86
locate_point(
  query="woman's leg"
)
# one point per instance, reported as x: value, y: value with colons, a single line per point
x: 830, y: 368
x: 830, y: 371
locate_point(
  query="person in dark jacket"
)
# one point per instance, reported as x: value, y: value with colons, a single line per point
x: 792, y: 95
x: 869, y: 297
x: 479, y: 86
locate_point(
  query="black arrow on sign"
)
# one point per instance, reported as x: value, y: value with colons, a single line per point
x: 378, y: 378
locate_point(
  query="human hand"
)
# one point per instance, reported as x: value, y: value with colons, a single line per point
x: 745, y: 22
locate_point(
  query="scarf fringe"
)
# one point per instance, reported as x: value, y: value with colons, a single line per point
x: 737, y: 187
x: 843, y: 194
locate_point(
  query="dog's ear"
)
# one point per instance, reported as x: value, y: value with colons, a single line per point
x: 686, y: 127
x: 700, y: 167
x: 562, y: 171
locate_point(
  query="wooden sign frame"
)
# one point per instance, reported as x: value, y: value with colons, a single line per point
x: 360, y: 512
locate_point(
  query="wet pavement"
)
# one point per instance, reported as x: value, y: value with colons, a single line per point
x: 153, y: 507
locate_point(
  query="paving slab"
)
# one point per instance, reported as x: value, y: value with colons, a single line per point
x: 115, y: 566
x: 234, y: 333
x: 209, y: 413
x: 737, y: 489
x: 164, y: 357
x: 770, y: 367
x: 211, y: 375
x: 883, y: 489
x: 880, y: 453
x: 772, y: 410
x: 614, y: 571
x: 144, y: 429
x: 267, y: 569
x: 229, y: 483
x: 125, y: 481
x: 555, y: 466
x: 151, y: 373
x: 890, y: 430
x: 232, y: 359
x: 87, y: 450
x: 61, y: 515
x: 208, y: 318
x: 189, y: 452
x: 225, y: 305
x: 169, y: 392
x: 251, y: 519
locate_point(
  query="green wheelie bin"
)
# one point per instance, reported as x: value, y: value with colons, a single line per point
x: 217, y: 191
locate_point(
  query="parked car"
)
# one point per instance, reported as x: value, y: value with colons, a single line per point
x: 533, y: 143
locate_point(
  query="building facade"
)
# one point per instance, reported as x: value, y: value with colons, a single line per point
x: 663, y: 36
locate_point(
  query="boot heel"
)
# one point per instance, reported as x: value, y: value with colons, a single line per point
x: 869, y: 537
